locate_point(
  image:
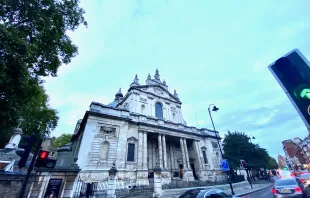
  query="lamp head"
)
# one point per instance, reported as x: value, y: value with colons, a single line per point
x: 215, y: 108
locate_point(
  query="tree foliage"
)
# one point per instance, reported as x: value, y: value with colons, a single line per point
x: 62, y: 140
x: 33, y: 44
x: 237, y: 147
x: 272, y: 163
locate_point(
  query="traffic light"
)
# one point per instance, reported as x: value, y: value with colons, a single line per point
x: 24, y: 149
x: 243, y: 164
x: 293, y: 74
x: 43, y: 161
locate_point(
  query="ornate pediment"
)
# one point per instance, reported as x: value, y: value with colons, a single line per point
x: 203, y: 148
x: 132, y: 139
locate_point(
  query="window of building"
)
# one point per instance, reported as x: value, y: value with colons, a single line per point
x: 204, y: 154
x: 131, y: 152
x: 205, y: 157
x: 215, y: 145
x: 159, y: 110
x: 142, y: 109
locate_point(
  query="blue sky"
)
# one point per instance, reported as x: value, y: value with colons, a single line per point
x: 209, y: 51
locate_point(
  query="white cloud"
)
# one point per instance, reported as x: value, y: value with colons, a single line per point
x: 201, y: 122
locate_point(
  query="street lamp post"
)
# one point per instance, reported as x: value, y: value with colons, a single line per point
x: 218, y: 142
x: 217, y: 138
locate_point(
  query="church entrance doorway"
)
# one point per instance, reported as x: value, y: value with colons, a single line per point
x: 194, y: 172
x: 181, y: 171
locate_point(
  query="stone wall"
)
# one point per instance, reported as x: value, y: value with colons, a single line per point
x: 10, y: 185
x: 41, y: 180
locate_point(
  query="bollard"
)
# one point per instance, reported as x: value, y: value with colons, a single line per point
x: 230, y: 185
x: 231, y: 188
x: 249, y: 180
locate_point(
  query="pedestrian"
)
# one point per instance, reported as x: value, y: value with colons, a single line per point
x: 52, y: 195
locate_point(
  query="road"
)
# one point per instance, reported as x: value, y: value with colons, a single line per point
x: 266, y: 193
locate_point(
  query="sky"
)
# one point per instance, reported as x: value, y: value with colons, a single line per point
x: 211, y: 52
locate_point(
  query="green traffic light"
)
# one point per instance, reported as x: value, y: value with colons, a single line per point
x: 305, y: 93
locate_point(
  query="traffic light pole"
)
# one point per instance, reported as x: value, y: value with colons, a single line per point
x: 218, y: 142
x: 30, y: 168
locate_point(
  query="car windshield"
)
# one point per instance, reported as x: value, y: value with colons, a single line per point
x: 285, y: 182
x: 303, y: 176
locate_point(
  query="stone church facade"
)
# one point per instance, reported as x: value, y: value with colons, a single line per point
x: 140, y: 129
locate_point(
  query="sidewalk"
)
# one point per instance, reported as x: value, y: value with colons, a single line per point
x: 239, y: 189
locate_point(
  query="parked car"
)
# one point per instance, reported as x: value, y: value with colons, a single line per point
x: 288, y: 187
x: 205, y: 193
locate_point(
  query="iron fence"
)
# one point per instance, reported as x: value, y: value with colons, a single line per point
x: 123, y: 188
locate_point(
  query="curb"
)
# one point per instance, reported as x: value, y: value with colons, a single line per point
x: 253, y: 191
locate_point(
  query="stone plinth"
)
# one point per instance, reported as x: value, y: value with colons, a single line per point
x: 142, y: 178
x: 157, y: 185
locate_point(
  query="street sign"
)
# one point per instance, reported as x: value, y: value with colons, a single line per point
x: 224, y: 165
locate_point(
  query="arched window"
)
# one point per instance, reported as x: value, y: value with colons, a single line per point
x: 159, y: 110
x: 104, y: 150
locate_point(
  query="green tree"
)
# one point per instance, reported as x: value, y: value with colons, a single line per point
x: 33, y: 44
x: 272, y: 163
x: 62, y: 140
x: 237, y: 146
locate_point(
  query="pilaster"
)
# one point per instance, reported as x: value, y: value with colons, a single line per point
x: 145, y: 161
x: 164, y: 151
x: 183, y: 154
x: 160, y: 151
x: 140, y: 150
x: 188, y: 174
x: 186, y: 154
x: 198, y: 154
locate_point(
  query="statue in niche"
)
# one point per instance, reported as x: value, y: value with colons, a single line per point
x: 104, y: 150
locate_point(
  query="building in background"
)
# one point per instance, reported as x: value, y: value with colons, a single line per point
x: 281, y: 161
x: 290, y: 150
x: 297, y: 152
x: 140, y: 129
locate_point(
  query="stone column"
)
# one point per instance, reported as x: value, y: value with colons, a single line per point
x: 140, y: 150
x: 160, y: 151
x: 183, y: 154
x: 201, y: 165
x: 154, y: 153
x: 186, y: 154
x: 145, y: 162
x: 164, y: 152
x: 171, y: 156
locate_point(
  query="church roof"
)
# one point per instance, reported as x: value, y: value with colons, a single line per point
x: 150, y: 82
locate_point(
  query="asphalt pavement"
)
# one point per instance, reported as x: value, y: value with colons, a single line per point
x: 265, y: 193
